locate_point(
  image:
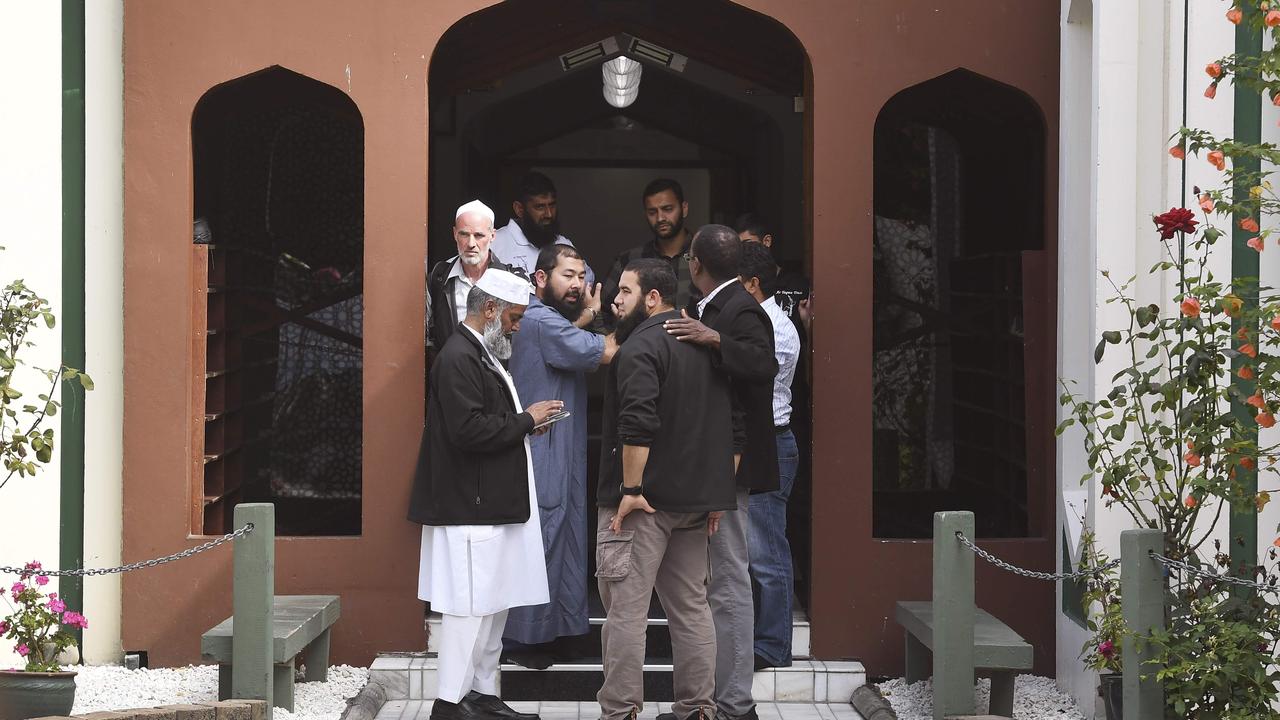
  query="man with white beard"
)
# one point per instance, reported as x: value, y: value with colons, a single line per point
x: 474, y: 495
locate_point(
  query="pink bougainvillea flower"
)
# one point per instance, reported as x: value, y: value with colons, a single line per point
x: 22, y: 649
x: 1190, y: 307
x: 1107, y: 649
x: 4, y: 627
x: 1192, y: 458
x: 1245, y: 372
x: 1211, y: 92
x: 75, y: 619
x: 1265, y: 419
x: 1217, y: 159
x: 1234, y: 16
x: 1176, y: 220
x: 1206, y: 203
x: 42, y: 580
x: 1249, y: 225
x: 57, y: 606
x: 1178, y: 151
x: 17, y: 588
x: 1256, y: 243
x: 1249, y: 349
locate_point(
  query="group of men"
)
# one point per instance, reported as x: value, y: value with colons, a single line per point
x: 697, y: 458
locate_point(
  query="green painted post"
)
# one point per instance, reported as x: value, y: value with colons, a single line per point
x: 253, y: 604
x: 1246, y: 128
x: 953, y: 611
x: 1142, y: 603
x: 71, y: 432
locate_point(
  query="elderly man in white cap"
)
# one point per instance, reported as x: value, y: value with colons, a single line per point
x: 450, y: 280
x: 475, y: 496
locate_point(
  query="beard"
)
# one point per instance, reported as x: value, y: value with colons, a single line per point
x: 628, y: 323
x: 472, y: 260
x: 538, y: 234
x: 570, y: 307
x: 498, y: 342
x: 666, y: 232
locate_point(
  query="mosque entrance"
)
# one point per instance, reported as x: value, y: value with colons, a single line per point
x: 721, y: 115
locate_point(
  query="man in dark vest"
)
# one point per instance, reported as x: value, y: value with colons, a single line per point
x: 474, y: 493
x: 738, y: 335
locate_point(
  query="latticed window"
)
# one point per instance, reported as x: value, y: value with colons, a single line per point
x: 279, y: 248
x: 961, y: 349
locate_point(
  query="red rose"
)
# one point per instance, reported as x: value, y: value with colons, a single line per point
x: 1175, y: 221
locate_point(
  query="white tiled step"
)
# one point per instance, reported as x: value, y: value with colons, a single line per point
x: 413, y: 677
x: 799, y: 631
x: 421, y: 710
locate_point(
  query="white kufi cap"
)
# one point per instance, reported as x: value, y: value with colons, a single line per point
x: 477, y: 207
x: 505, y: 286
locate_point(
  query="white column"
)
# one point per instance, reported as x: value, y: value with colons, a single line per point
x: 104, y: 332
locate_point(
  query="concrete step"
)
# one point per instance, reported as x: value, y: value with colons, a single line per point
x: 421, y: 710
x: 412, y: 676
x: 658, y: 639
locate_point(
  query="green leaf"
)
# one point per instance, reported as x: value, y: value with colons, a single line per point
x: 86, y: 381
x: 1097, y: 351
x: 1111, y: 336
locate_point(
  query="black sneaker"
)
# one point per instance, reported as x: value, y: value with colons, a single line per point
x: 445, y: 710
x: 491, y: 706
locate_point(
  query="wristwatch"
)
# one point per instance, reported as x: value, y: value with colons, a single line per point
x: 637, y: 490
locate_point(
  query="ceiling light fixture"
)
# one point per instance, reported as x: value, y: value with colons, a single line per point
x: 621, y: 81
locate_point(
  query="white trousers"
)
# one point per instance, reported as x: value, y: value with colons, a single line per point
x: 470, y: 648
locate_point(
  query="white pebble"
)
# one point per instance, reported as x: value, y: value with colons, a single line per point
x: 1034, y: 698
x: 112, y: 687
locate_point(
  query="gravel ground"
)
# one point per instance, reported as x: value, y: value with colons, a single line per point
x: 111, y: 687
x: 1035, y: 698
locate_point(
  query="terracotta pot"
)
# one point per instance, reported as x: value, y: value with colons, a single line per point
x: 36, y: 694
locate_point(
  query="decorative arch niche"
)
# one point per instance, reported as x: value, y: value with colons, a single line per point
x: 278, y: 163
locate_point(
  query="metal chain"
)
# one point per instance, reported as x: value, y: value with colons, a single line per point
x: 1178, y: 564
x: 1031, y: 573
x: 248, y: 528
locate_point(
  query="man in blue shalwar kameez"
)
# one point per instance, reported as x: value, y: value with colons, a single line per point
x: 550, y: 358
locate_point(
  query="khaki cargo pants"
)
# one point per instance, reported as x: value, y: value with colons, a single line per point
x: 667, y: 552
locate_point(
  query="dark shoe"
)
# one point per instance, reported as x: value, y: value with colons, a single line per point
x: 445, y: 710
x: 763, y: 663
x: 748, y: 715
x: 529, y: 658
x: 491, y: 706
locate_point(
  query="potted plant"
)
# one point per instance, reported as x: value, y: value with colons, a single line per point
x: 1101, y: 597
x: 39, y: 622
x: 38, y: 627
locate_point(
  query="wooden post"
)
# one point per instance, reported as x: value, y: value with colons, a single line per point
x: 953, y: 611
x: 1142, y: 603
x: 253, y: 603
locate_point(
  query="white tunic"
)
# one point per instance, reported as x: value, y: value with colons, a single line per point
x: 484, y: 569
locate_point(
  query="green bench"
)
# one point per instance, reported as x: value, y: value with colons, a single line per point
x: 996, y: 648
x: 300, y: 626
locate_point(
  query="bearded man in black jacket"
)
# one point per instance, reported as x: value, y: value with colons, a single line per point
x: 737, y: 334
x: 474, y: 494
x: 666, y: 472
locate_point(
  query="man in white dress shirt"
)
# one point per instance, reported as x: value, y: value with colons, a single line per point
x: 770, y: 552
x: 534, y: 224
x: 474, y: 495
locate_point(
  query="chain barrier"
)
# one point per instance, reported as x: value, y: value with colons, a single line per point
x: 245, y: 530
x: 1191, y: 570
x: 1032, y: 573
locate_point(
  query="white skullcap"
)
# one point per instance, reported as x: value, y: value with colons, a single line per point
x: 505, y: 286
x: 477, y: 207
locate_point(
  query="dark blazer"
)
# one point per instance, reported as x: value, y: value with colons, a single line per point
x: 746, y: 354
x: 444, y: 312
x: 472, y: 468
x: 663, y: 394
